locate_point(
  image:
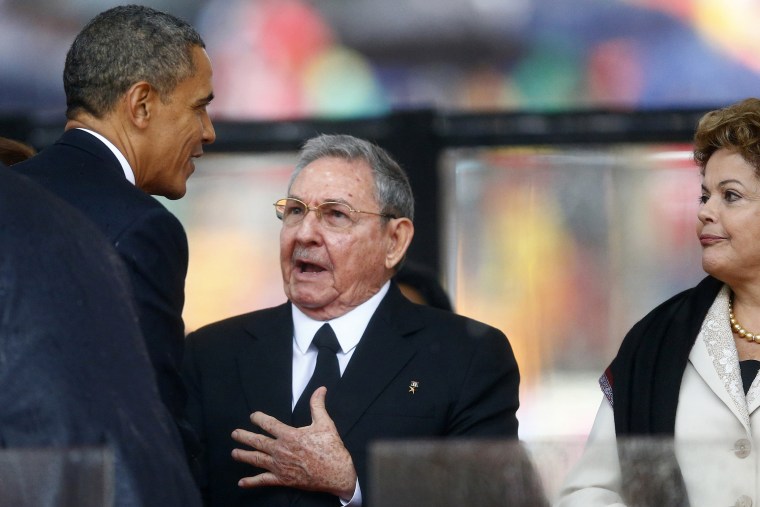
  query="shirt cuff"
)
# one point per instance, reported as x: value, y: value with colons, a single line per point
x: 356, y: 500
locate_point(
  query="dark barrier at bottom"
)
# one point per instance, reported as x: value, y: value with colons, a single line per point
x: 78, y: 477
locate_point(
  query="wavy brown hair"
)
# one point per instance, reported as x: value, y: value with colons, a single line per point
x: 13, y: 151
x: 736, y: 128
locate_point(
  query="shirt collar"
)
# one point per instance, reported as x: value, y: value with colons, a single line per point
x: 348, y: 328
x: 128, y: 172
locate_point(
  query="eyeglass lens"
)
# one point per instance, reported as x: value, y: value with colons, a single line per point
x: 334, y: 214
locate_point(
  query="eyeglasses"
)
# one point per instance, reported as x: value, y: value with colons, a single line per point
x: 334, y: 214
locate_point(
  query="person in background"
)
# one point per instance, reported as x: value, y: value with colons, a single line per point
x: 348, y: 359
x: 74, y: 371
x: 137, y: 85
x: 420, y: 285
x: 688, y: 370
x: 13, y: 151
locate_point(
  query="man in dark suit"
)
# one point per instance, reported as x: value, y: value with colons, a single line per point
x: 397, y: 370
x: 137, y: 84
x: 74, y: 371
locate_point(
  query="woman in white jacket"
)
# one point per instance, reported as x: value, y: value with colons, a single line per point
x: 688, y: 370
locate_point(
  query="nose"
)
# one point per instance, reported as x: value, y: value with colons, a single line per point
x: 706, y: 212
x: 308, y: 229
x: 209, y: 134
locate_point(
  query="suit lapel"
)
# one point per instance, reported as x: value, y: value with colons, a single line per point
x: 715, y: 358
x: 267, y: 382
x: 382, y: 352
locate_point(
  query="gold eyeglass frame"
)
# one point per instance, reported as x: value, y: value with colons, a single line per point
x: 317, y: 209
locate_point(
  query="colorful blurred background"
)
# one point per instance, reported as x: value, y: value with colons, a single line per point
x: 336, y: 58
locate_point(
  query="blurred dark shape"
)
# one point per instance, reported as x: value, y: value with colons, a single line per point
x: 74, y: 371
x: 651, y: 475
x: 454, y: 473
x: 420, y: 285
x: 12, y: 151
x: 72, y: 477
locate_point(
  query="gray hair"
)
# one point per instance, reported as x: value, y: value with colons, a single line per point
x: 392, y: 189
x: 122, y: 46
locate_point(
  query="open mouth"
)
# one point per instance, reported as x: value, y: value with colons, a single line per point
x: 308, y: 267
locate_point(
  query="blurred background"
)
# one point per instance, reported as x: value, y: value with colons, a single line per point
x: 548, y: 143
x: 278, y: 59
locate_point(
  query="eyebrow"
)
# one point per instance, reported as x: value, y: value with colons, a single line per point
x: 329, y: 199
x: 723, y: 183
x: 205, y: 100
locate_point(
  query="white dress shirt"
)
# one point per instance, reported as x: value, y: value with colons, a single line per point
x: 349, y: 329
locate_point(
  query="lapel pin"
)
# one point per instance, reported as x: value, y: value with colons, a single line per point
x: 413, y: 386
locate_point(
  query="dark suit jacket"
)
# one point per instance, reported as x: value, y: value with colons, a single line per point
x: 150, y: 240
x: 74, y: 370
x: 466, y: 373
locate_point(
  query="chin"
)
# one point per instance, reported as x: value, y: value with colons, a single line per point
x: 175, y: 193
x: 309, y: 299
x: 170, y: 192
x: 300, y: 298
x: 308, y: 303
x: 713, y: 269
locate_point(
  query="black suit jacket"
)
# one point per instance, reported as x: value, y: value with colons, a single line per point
x: 74, y: 370
x: 81, y: 170
x: 466, y: 373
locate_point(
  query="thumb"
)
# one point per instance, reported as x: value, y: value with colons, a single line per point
x: 317, y: 405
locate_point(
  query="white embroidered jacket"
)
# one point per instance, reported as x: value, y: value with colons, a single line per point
x: 717, y: 433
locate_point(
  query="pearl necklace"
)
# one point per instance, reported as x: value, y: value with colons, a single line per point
x: 750, y: 337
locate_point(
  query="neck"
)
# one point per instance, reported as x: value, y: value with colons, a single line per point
x: 113, y: 130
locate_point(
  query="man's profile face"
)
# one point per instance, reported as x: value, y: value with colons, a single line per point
x: 327, y: 272
x: 179, y: 129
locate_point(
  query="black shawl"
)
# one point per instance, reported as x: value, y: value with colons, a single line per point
x: 644, y: 380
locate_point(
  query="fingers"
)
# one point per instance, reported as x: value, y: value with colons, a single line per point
x: 249, y: 438
x: 258, y: 442
x: 257, y: 459
x: 317, y: 404
x: 317, y: 399
x: 265, y: 479
x: 270, y: 424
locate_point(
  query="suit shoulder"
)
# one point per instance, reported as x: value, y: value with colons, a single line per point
x: 446, y: 318
x: 233, y: 326
x: 458, y: 327
x: 94, y: 186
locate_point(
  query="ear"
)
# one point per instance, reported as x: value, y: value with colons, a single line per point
x: 400, y: 233
x: 139, y: 101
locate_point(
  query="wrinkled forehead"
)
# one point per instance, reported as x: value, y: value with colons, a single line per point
x: 335, y: 179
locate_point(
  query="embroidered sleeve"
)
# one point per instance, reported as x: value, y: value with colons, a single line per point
x: 605, y: 382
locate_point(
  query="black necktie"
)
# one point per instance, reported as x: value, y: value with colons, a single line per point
x: 327, y: 373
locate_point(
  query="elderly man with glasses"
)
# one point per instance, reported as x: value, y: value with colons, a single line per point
x: 288, y: 399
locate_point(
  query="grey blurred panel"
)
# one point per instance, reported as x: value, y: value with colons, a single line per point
x: 651, y: 475
x: 420, y: 31
x: 496, y: 473
x: 78, y: 12
x: 453, y: 473
x: 77, y: 477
